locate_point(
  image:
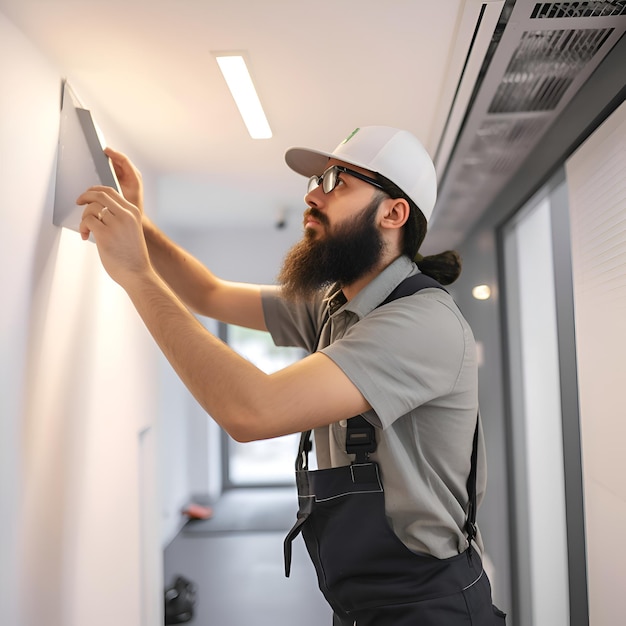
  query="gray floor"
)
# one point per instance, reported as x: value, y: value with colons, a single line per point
x: 239, y: 573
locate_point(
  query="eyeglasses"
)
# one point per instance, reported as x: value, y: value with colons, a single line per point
x: 330, y: 179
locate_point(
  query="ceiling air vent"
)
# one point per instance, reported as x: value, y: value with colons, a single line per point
x: 541, y: 54
x: 543, y: 66
x: 498, y: 142
x: 577, y: 9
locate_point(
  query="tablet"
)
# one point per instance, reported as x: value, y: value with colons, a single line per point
x: 81, y: 162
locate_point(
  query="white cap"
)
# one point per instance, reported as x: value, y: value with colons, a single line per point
x: 395, y: 154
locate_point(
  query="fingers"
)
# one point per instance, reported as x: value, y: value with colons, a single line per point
x: 92, y: 219
x: 121, y: 163
x: 128, y: 176
x: 95, y: 209
x: 118, y: 158
x: 114, y: 154
x: 105, y: 196
x: 104, y: 213
x: 101, y: 203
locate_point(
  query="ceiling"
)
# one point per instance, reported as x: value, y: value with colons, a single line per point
x: 146, y: 67
x: 321, y: 69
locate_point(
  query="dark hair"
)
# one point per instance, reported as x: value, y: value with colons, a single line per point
x: 444, y: 267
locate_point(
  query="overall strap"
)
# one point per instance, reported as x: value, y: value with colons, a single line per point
x: 411, y: 285
x: 360, y: 438
x: 470, y: 524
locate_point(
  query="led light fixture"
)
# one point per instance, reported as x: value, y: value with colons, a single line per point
x: 481, y: 292
x: 237, y: 76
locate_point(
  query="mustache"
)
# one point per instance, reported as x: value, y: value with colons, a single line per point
x: 317, y: 215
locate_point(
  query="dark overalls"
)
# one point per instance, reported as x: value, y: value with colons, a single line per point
x: 366, y: 573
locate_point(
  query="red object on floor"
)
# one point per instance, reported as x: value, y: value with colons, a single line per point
x: 197, y: 511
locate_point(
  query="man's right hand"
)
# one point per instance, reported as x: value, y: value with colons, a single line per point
x: 128, y: 176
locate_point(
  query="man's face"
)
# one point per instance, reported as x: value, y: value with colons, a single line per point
x: 342, y: 241
x: 344, y: 202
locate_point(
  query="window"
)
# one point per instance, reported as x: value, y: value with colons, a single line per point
x: 268, y: 462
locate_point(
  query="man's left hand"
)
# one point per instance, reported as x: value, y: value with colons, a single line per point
x: 116, y: 226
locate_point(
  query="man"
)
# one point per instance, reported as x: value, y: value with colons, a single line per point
x: 388, y: 524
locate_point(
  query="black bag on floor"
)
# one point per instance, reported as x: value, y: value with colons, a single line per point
x: 180, y: 599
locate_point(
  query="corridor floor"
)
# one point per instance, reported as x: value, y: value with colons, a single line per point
x: 240, y: 577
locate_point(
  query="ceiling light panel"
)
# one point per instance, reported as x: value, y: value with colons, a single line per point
x: 239, y: 81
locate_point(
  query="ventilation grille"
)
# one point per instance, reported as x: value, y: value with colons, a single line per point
x: 543, y: 66
x: 548, y: 10
x: 500, y: 142
x: 542, y: 53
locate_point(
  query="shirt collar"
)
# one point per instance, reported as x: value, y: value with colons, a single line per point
x: 375, y: 291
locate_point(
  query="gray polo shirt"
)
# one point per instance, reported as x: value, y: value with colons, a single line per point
x: 414, y: 361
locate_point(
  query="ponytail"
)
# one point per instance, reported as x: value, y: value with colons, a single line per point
x: 444, y: 267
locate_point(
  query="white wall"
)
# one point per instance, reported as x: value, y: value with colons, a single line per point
x: 252, y: 255
x: 79, y: 523
x: 597, y: 190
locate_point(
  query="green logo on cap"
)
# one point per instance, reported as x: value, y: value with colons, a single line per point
x: 352, y: 134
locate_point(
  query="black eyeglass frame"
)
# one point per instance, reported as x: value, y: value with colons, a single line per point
x: 315, y: 181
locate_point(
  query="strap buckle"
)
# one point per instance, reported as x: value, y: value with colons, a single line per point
x: 360, y: 438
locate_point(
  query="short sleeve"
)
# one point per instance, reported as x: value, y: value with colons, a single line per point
x: 291, y: 323
x: 405, y: 354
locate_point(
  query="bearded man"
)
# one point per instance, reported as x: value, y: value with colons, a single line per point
x: 388, y: 391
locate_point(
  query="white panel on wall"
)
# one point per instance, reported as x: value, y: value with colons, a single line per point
x: 597, y: 189
x: 81, y: 162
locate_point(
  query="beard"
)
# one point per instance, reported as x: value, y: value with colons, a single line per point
x: 349, y: 252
